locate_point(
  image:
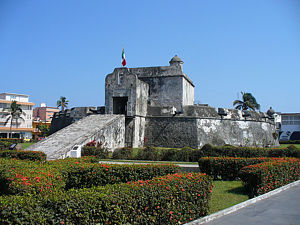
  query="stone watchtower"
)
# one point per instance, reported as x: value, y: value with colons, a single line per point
x: 132, y: 91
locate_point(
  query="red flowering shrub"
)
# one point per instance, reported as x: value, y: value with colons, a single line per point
x: 172, y: 199
x: 264, y: 177
x: 29, y: 155
x: 79, y: 174
x: 19, y: 177
x: 226, y: 168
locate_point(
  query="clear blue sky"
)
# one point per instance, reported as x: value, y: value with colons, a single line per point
x: 66, y: 48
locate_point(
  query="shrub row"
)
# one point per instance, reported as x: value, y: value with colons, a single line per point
x: 99, y: 152
x: 261, y: 178
x: 226, y: 168
x: 79, y: 174
x: 4, y: 145
x: 12, y: 140
x: 19, y: 177
x: 290, y: 142
x: 23, y: 155
x: 249, y: 152
x: 172, y: 199
x: 192, y: 155
x: 185, y: 154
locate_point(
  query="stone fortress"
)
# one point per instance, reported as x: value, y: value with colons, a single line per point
x: 155, y: 106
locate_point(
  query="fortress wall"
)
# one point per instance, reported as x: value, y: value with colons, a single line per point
x: 237, y: 133
x: 171, y: 132
x: 195, y: 132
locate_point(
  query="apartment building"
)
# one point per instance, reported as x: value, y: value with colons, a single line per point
x: 290, y: 126
x: 42, y: 115
x: 21, y: 128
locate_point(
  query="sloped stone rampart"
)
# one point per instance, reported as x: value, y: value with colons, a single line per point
x: 109, y: 129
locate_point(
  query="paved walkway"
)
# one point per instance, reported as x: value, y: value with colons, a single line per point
x: 184, y: 167
x: 282, y: 208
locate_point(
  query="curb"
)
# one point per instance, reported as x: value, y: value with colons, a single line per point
x: 234, y: 208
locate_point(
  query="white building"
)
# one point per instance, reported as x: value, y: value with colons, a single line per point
x: 290, y: 126
x: 22, y: 128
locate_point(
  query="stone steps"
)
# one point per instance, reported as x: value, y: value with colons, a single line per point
x: 78, y: 133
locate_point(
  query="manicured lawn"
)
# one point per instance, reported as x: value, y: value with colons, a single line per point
x: 25, y: 145
x: 286, y: 145
x: 226, y: 194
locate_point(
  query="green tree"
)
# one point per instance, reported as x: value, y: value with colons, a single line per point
x: 63, y: 103
x: 248, y: 102
x: 14, y: 113
x: 44, y: 129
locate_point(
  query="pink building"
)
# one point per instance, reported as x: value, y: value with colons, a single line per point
x: 44, y: 113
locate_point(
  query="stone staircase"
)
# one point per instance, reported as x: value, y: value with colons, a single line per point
x: 109, y: 129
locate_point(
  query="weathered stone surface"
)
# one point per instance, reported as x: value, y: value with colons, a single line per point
x: 171, y: 132
x: 149, y: 86
x: 69, y: 116
x: 181, y: 131
x: 109, y: 129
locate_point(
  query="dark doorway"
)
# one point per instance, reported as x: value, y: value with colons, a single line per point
x: 120, y: 105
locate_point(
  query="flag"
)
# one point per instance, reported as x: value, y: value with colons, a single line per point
x: 123, y: 58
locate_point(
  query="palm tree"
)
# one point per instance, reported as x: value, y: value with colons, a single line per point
x: 14, y: 113
x: 63, y: 103
x: 249, y: 102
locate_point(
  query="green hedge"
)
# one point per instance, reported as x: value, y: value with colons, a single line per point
x: 172, y: 199
x: 99, y: 152
x: 78, y: 174
x: 4, y: 145
x: 12, y: 140
x: 123, y: 153
x: 20, y: 177
x: 187, y: 154
x: 264, y: 177
x: 23, y: 155
x: 226, y: 168
x: 249, y: 152
x: 290, y: 142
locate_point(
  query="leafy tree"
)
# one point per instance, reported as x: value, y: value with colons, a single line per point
x: 14, y: 113
x: 44, y: 129
x: 63, y: 103
x: 248, y: 102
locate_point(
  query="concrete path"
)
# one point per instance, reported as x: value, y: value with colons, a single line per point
x: 280, y: 207
x: 184, y: 167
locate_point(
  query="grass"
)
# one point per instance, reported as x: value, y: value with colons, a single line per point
x: 286, y: 145
x: 26, y: 144
x: 226, y: 194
